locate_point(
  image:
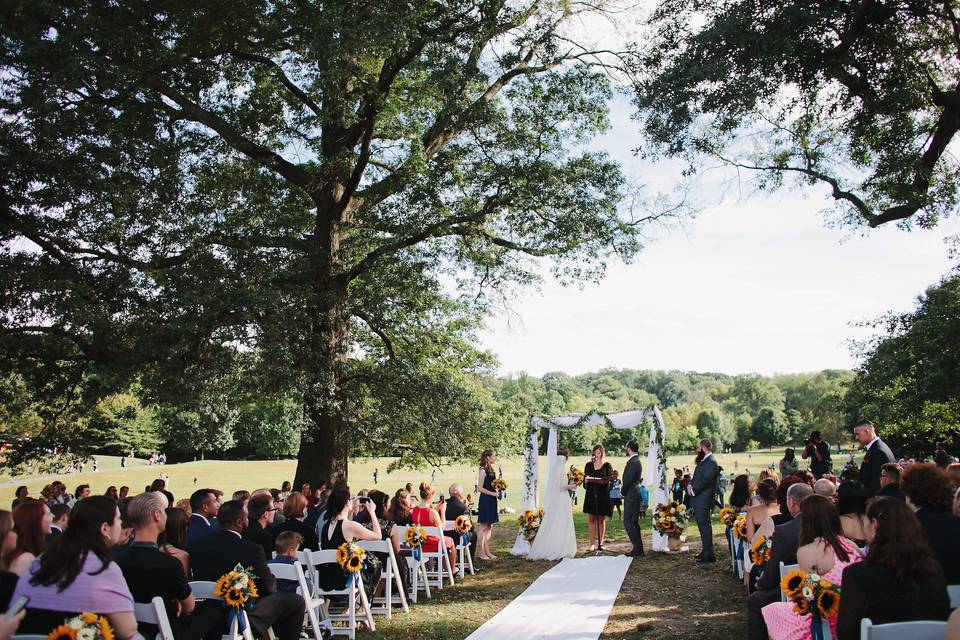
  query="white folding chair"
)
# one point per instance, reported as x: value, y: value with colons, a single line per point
x: 353, y: 592
x: 418, y: 570
x: 953, y: 590
x: 154, y: 612
x: 442, y: 558
x: 464, y: 559
x: 784, y: 570
x: 203, y: 590
x: 915, y: 630
x: 295, y: 572
x: 391, y: 577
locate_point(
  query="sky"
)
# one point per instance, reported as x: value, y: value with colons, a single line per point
x: 755, y: 283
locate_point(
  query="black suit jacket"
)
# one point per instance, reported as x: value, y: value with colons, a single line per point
x: 892, y: 490
x: 54, y: 532
x: 199, y: 528
x: 263, y: 537
x: 943, y: 535
x: 632, y: 473
x: 219, y: 553
x: 783, y: 548
x: 455, y: 509
x: 876, y: 456
x: 704, y: 483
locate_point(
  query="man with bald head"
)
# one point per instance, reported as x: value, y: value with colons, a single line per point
x: 457, y: 506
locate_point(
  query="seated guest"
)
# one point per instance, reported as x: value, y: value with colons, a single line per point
x: 740, y: 495
x: 294, y: 512
x: 953, y: 470
x: 399, y: 511
x: 242, y: 496
x: 184, y: 504
x: 204, y: 505
x: 426, y: 516
x: 124, y: 492
x: 218, y: 554
x: 927, y: 488
x: 76, y: 574
x: 899, y: 581
x: 824, y: 550
x: 852, y: 506
x: 260, y: 510
x: 278, y: 516
x: 21, y: 496
x: 8, y: 540
x: 824, y: 487
x: 890, y: 481
x: 61, y: 515
x: 150, y: 572
x: 173, y: 540
x: 784, y: 543
x: 160, y: 485
x: 456, y: 507
x: 340, y: 528
x: 388, y: 531
x: 285, y: 489
x: 849, y: 473
x: 768, y: 507
x: 31, y: 521
x: 111, y: 492
x: 287, y: 545
x: 82, y: 492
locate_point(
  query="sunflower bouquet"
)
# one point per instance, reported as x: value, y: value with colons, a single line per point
x: 728, y: 515
x: 529, y: 523
x: 237, y: 588
x: 811, y: 594
x: 576, y: 477
x: 415, y: 537
x: 740, y: 527
x: 462, y: 525
x: 500, y: 485
x: 670, y: 519
x: 86, y: 626
x: 760, y: 551
x: 350, y: 557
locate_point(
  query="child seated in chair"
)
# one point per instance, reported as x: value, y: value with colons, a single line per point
x: 287, y: 545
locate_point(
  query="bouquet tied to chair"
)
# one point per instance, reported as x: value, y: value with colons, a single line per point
x: 238, y: 590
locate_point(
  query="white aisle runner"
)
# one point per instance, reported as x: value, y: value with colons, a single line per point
x: 571, y: 601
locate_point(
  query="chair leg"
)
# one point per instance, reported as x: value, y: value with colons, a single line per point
x: 399, y: 584
x: 449, y: 566
x: 368, y: 615
x: 426, y: 580
x: 466, y: 550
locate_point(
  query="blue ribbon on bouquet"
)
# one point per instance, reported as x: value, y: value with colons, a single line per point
x: 465, y: 538
x: 500, y: 495
x: 739, y: 550
x: 819, y: 628
x: 417, y: 553
x: 234, y: 614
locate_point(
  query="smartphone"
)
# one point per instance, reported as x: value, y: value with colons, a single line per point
x: 17, y: 607
x: 364, y: 500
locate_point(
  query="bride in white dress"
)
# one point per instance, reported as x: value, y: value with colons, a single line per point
x: 556, y: 538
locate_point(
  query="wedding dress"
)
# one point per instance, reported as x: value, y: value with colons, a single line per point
x: 556, y: 538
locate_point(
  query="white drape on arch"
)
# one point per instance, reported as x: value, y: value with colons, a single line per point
x: 655, y: 472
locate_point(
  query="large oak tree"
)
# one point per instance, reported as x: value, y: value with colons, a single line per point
x: 341, y: 188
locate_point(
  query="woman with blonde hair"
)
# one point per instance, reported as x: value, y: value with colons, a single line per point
x: 487, y: 513
x: 596, y: 503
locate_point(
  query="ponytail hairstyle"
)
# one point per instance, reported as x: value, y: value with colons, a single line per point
x: 426, y: 491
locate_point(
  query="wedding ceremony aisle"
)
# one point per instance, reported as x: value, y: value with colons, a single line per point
x: 570, y: 601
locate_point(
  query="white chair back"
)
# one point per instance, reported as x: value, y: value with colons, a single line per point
x: 916, y: 630
x: 464, y: 557
x: 294, y: 572
x: 354, y: 594
x: 154, y: 612
x: 784, y: 570
x: 393, y: 586
x: 417, y: 568
x: 953, y: 590
x: 203, y: 590
x: 444, y: 569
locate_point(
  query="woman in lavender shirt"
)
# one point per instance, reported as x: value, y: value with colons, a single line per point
x: 76, y: 574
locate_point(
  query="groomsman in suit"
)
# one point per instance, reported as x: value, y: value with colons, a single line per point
x: 877, y: 455
x: 632, y: 477
x: 701, y: 490
x: 203, y: 520
x: 61, y: 514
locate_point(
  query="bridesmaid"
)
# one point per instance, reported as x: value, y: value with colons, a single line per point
x: 596, y: 502
x: 487, y: 510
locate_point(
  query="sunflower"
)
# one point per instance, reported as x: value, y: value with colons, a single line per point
x: 63, y: 632
x: 792, y: 583
x: 828, y: 602
x: 342, y: 554
x: 105, y: 631
x: 355, y: 563
x: 221, y: 587
x: 252, y: 590
x: 88, y: 618
x: 801, y: 606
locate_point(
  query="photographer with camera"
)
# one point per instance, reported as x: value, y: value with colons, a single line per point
x: 818, y: 451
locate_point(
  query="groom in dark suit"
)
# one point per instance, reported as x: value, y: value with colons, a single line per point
x: 632, y: 477
x: 701, y: 489
x: 877, y: 455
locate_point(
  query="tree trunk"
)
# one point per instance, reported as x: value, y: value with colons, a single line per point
x: 324, y: 446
